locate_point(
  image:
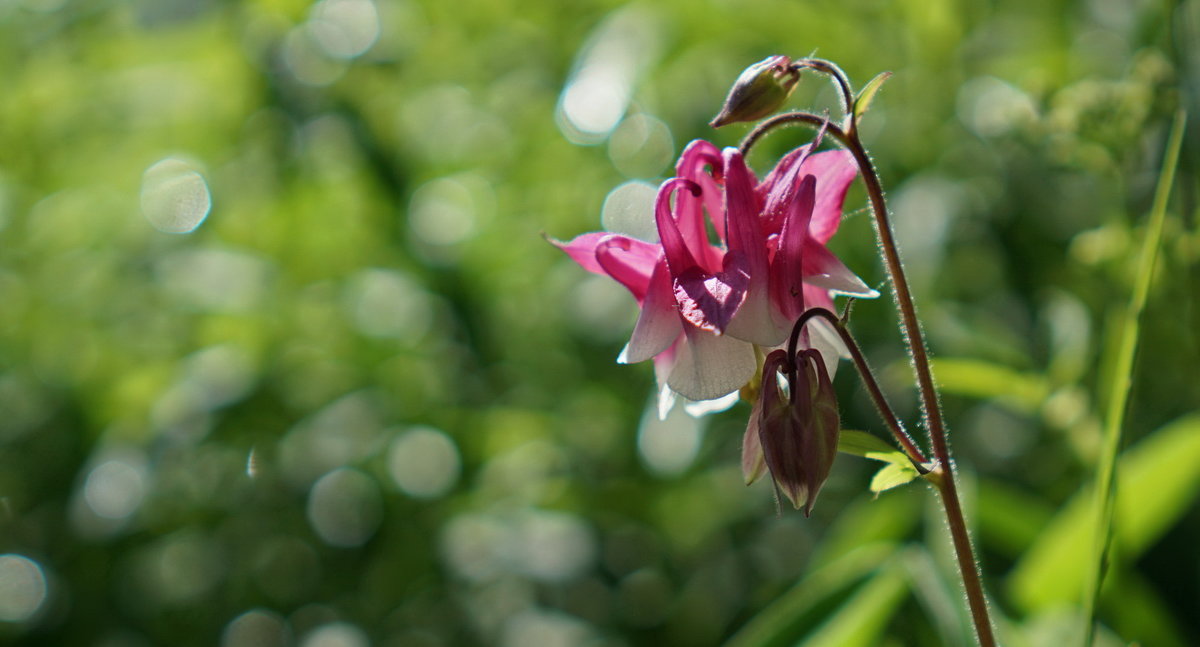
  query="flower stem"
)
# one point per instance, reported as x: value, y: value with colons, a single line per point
x: 868, y: 377
x: 929, y: 398
x: 830, y: 69
x: 943, y: 474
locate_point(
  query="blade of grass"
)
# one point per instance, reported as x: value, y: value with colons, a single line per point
x: 791, y: 614
x: 1105, y: 490
x: 1160, y: 478
x: 864, y: 617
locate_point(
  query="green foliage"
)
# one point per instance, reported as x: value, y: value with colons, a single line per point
x: 862, y: 102
x: 899, y: 469
x: 363, y: 401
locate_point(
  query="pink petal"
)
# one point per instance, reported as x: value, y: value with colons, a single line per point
x: 779, y: 190
x: 835, y: 171
x: 688, y: 211
x: 582, y: 249
x: 787, y: 276
x: 783, y: 168
x: 755, y: 321
x: 679, y: 257
x: 824, y: 270
x: 628, y: 260
x: 658, y: 324
x: 708, y: 366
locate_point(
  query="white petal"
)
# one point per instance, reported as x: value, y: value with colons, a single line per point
x: 666, y: 401
x: 710, y: 366
x: 705, y: 407
x: 756, y: 320
x: 825, y: 339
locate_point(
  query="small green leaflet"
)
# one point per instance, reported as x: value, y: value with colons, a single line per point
x: 898, y: 471
x: 863, y: 101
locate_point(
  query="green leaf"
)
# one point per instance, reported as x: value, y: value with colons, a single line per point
x: 862, y: 102
x: 984, y: 380
x: 892, y: 475
x: 860, y: 443
x: 864, y: 617
x: 870, y: 521
x: 1160, y: 478
x: 802, y: 608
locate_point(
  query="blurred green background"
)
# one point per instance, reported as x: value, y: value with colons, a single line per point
x: 285, y: 359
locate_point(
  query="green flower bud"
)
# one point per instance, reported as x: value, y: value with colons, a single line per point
x: 759, y: 91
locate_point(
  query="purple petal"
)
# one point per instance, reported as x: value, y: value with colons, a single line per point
x: 780, y: 433
x: 822, y: 423
x: 709, y: 302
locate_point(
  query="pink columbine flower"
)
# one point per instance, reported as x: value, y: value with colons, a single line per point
x: 706, y: 303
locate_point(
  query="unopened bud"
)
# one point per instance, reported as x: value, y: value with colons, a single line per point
x: 759, y: 91
x: 797, y: 431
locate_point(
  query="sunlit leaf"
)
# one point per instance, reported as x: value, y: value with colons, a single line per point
x: 892, y: 475
x: 860, y: 443
x: 862, y: 102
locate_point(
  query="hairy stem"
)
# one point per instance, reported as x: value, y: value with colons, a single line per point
x: 868, y: 377
x: 943, y: 474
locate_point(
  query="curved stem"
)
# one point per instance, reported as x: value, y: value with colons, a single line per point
x: 868, y: 376
x: 830, y: 69
x: 943, y: 475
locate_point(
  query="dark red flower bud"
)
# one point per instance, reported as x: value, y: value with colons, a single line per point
x: 796, y: 423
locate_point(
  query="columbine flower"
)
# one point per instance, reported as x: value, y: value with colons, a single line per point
x: 705, y: 304
x: 793, y: 434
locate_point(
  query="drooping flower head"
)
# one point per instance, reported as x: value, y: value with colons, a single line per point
x: 706, y: 302
x: 793, y: 431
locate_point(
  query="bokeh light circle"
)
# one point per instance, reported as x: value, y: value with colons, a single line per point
x: 345, y: 508
x: 424, y: 462
x: 175, y: 197
x: 22, y: 588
